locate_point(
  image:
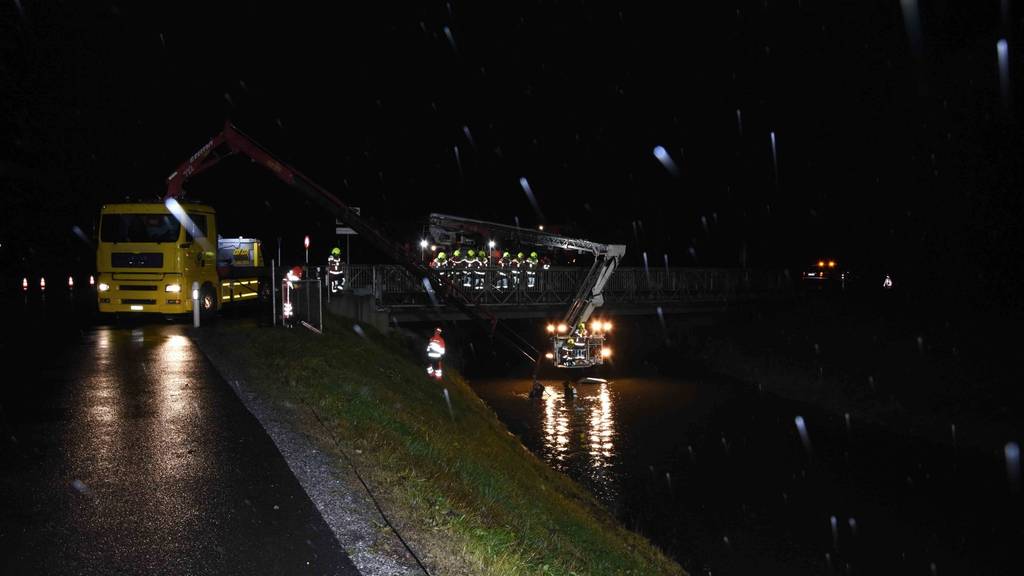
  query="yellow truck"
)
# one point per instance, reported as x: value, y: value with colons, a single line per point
x: 149, y: 255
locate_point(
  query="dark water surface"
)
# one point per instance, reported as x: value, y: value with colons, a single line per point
x: 719, y: 477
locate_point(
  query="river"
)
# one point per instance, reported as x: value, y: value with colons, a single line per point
x: 721, y: 478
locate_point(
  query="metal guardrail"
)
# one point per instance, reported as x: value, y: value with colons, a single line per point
x: 392, y: 286
x: 302, y: 303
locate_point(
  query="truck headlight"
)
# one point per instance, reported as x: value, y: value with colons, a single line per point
x: 175, y: 288
x: 103, y: 287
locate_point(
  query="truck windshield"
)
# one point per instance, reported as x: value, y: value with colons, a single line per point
x: 139, y: 228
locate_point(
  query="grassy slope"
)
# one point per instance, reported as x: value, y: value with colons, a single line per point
x: 465, y: 491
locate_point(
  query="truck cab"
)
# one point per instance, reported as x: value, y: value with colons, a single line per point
x: 148, y: 258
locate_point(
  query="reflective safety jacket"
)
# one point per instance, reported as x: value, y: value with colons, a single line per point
x: 435, y: 348
x: 334, y: 264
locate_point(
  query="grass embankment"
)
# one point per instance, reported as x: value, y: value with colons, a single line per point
x: 465, y: 492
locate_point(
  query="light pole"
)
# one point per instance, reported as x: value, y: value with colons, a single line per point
x: 305, y: 242
x: 490, y: 246
x: 423, y: 247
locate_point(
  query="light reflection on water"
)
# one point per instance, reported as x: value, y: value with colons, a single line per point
x: 576, y: 435
x: 609, y: 434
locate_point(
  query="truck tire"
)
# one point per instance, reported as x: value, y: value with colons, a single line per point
x: 207, y: 302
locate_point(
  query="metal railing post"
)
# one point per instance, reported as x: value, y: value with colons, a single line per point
x: 195, y: 304
x: 273, y: 294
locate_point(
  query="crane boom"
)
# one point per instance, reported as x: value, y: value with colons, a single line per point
x: 443, y: 227
x: 231, y: 141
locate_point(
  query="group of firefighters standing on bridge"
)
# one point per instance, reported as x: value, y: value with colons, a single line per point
x: 469, y: 269
x: 465, y: 269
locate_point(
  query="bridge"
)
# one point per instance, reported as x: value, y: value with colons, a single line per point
x: 547, y: 293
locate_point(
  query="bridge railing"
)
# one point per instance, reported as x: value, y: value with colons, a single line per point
x: 393, y: 286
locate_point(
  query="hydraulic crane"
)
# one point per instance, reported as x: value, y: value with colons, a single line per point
x: 571, y: 347
x: 231, y: 141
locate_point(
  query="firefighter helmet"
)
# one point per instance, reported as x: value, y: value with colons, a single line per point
x: 336, y: 251
x: 520, y: 255
x: 533, y: 255
x: 471, y: 254
x: 441, y: 256
x: 505, y: 255
x: 457, y: 253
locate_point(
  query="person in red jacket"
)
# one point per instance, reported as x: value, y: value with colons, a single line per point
x: 435, y: 352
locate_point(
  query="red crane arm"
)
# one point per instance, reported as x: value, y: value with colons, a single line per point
x: 231, y: 141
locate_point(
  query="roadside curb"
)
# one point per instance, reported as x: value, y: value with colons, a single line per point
x: 327, y: 480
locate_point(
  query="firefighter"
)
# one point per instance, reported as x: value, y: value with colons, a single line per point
x: 578, y: 342
x: 456, y: 263
x: 440, y: 263
x: 531, y: 270
x: 515, y: 267
x: 478, y: 270
x: 503, y: 265
x: 569, y: 390
x: 335, y: 271
x: 287, y: 306
x: 567, y: 352
x: 537, y: 390
x: 467, y: 279
x: 435, y: 352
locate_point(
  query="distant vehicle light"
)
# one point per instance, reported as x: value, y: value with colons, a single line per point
x: 821, y: 263
x: 562, y: 328
x: 606, y: 352
x: 176, y: 288
x: 831, y: 263
x: 607, y: 326
x: 103, y: 287
x: 551, y: 328
x: 595, y: 326
x: 812, y: 274
x: 71, y: 282
x: 541, y: 227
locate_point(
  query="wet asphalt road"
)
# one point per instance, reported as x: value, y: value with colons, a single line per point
x: 124, y: 452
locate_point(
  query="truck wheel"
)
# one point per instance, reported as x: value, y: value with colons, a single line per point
x: 207, y: 302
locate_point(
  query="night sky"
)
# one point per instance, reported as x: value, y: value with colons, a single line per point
x: 896, y: 146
